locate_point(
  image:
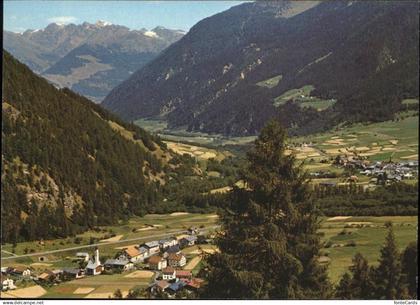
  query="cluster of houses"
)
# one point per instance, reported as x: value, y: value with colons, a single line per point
x: 9, y: 274
x: 162, y: 256
x: 385, y: 171
x: 390, y: 171
x: 181, y: 280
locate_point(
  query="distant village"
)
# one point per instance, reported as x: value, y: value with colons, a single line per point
x: 380, y: 172
x: 163, y: 257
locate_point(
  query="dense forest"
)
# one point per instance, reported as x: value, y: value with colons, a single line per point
x: 395, y: 199
x: 69, y: 165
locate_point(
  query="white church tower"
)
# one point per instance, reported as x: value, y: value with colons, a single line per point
x: 94, y: 266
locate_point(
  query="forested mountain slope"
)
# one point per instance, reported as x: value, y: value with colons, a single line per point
x: 230, y: 72
x: 67, y: 164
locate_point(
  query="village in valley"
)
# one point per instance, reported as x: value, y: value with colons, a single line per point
x: 160, y: 266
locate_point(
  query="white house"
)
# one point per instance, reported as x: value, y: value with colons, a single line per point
x: 188, y: 240
x: 157, y: 262
x: 7, y: 284
x: 176, y: 260
x: 134, y: 254
x: 166, y: 243
x: 94, y: 267
x: 23, y: 271
x: 152, y: 247
x: 168, y: 273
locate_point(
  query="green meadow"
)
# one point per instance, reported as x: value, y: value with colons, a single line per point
x: 347, y: 236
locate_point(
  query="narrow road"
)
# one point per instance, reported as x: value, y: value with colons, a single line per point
x: 7, y: 252
x: 169, y: 234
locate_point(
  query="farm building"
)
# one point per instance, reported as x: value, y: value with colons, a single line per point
x: 48, y: 275
x: 157, y: 262
x: 75, y: 273
x: 22, y: 271
x: 122, y: 264
x: 152, y: 247
x: 188, y: 241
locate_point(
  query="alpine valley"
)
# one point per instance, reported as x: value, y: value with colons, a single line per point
x: 269, y: 152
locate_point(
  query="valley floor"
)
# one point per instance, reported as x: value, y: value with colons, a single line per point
x: 342, y: 236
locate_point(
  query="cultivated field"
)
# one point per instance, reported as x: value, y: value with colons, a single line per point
x: 181, y: 135
x: 378, y: 141
x: 302, y: 97
x: 100, y: 286
x: 134, y: 228
x: 395, y: 140
x: 368, y: 234
x: 24, y: 293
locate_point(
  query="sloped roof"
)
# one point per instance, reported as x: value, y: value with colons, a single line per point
x: 195, y: 283
x: 132, y: 251
x: 175, y: 257
x: 173, y: 249
x: 168, y: 270
x: 191, y: 238
x: 177, y: 285
x: 44, y: 276
x: 155, y: 259
x: 162, y: 284
x: 152, y: 244
x: 92, y: 265
x: 183, y: 273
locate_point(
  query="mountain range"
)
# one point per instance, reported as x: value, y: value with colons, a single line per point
x: 312, y: 64
x: 90, y: 59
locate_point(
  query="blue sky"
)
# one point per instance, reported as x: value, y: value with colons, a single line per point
x: 22, y: 15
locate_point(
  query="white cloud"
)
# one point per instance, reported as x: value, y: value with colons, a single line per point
x: 62, y: 19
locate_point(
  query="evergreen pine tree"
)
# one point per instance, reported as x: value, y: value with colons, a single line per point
x: 388, y: 273
x: 344, y: 288
x: 269, y: 245
x: 409, y: 268
x: 362, y: 284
